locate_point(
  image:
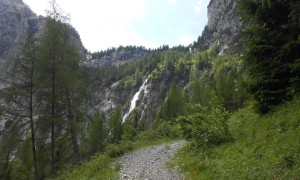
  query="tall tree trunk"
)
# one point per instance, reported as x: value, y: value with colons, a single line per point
x: 6, y: 160
x: 32, y: 125
x: 33, y: 133
x: 73, y: 132
x: 53, y: 118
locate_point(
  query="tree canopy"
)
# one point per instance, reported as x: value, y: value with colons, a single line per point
x: 272, y: 49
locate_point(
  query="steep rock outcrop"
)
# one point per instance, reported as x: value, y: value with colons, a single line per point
x: 117, y: 58
x: 15, y: 18
x: 223, y: 27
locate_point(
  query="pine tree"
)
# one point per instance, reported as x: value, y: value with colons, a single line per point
x: 8, y: 144
x: 272, y: 49
x: 115, y: 125
x: 21, y: 94
x: 96, y: 134
x: 61, y: 95
x: 173, y: 106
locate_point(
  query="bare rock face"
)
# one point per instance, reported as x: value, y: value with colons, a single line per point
x: 15, y: 18
x: 118, y: 58
x: 223, y: 27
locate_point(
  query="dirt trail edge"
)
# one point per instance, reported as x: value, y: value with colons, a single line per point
x: 150, y: 163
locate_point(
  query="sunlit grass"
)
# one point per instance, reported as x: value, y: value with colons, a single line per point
x: 105, y: 166
x: 265, y: 147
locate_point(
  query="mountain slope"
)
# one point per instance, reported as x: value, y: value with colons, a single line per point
x: 264, y: 147
x: 15, y: 18
x: 223, y: 27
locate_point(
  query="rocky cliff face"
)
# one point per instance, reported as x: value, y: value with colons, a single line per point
x: 15, y: 18
x: 223, y: 27
x: 221, y: 33
x: 117, y: 58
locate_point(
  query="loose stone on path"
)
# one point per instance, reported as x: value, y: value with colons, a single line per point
x: 150, y: 163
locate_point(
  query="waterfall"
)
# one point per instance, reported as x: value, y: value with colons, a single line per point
x: 135, y: 98
x: 142, y: 114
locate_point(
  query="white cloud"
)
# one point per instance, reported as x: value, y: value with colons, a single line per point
x: 170, y: 30
x: 101, y: 23
x: 109, y: 23
x: 199, y: 7
x: 193, y: 22
x: 186, y: 39
x: 172, y: 1
x: 106, y: 23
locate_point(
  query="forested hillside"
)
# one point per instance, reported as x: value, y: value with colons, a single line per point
x: 232, y: 94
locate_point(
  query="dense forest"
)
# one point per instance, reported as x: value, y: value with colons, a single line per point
x: 239, y: 111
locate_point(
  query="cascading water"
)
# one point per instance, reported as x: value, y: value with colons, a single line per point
x: 135, y: 98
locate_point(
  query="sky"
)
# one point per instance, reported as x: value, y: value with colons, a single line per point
x: 103, y: 24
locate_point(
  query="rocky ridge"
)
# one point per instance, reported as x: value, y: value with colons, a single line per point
x: 221, y: 33
x: 118, y: 58
x: 15, y: 18
x: 223, y: 27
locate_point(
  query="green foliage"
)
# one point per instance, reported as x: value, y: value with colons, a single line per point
x: 206, y: 127
x: 272, y: 50
x: 168, y: 130
x: 95, y: 140
x: 8, y: 144
x: 116, y: 150
x: 110, y: 51
x: 149, y: 135
x: 200, y: 92
x: 98, y: 167
x: 222, y: 75
x: 265, y: 147
x: 60, y: 96
x: 173, y: 106
x: 115, y: 125
x: 227, y: 73
x: 129, y: 74
x: 129, y: 131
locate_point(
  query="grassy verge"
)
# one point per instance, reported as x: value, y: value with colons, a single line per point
x: 100, y: 166
x: 265, y: 147
x: 104, y: 165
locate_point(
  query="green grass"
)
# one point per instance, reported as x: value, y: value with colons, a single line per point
x: 104, y: 166
x: 265, y: 147
x: 98, y: 167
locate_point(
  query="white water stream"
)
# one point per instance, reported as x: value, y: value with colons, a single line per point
x: 135, y: 98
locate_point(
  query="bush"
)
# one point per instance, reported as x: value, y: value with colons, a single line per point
x: 98, y: 167
x: 116, y: 150
x: 265, y: 147
x: 148, y: 135
x: 169, y: 130
x: 206, y: 127
x: 129, y: 132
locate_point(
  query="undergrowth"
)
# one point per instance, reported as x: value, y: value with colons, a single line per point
x: 104, y: 165
x: 264, y: 147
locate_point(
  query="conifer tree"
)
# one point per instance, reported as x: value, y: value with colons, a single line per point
x: 9, y: 142
x: 96, y: 134
x: 115, y: 125
x: 21, y: 94
x: 61, y: 95
x: 272, y: 49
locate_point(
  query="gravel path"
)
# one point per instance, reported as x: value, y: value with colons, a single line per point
x: 149, y: 163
